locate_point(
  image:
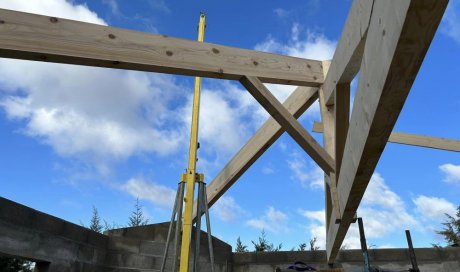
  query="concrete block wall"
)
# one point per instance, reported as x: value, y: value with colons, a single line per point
x: 147, y: 244
x: 57, y: 245
x: 429, y: 260
x: 61, y: 246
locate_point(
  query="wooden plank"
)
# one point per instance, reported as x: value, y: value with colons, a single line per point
x: 297, y: 103
x: 399, y: 36
x: 347, y: 57
x: 413, y: 139
x: 425, y: 141
x: 42, y: 38
x: 268, y: 101
x: 318, y: 127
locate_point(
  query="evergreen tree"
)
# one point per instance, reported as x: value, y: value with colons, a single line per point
x: 451, y: 231
x: 137, y: 217
x: 95, y: 223
x: 302, y: 247
x: 240, y: 247
x: 313, y: 245
x: 264, y: 245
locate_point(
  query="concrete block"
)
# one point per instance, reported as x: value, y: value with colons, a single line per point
x: 271, y: 257
x: 86, y: 253
x: 75, y: 232
x: 96, y: 239
x: 57, y: 247
x: 130, y: 260
x: 47, y: 223
x: 243, y: 258
x: 153, y: 248
x: 123, y: 244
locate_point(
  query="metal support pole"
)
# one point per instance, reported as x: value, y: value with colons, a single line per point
x: 208, y: 227
x: 362, y: 236
x: 198, y: 227
x: 178, y: 227
x: 413, y: 260
x: 168, y: 239
x: 176, y: 218
x: 191, y: 170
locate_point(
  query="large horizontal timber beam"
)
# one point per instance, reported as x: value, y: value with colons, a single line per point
x: 399, y: 35
x: 413, y: 139
x: 297, y: 103
x: 269, y: 102
x: 41, y: 38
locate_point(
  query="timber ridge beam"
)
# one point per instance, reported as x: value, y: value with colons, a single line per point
x: 42, y: 38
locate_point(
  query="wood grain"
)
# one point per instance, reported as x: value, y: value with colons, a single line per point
x: 413, y: 139
x: 398, y: 38
x: 348, y: 55
x: 269, y: 102
x: 41, y: 38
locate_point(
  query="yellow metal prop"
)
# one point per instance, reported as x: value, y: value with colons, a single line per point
x: 191, y: 177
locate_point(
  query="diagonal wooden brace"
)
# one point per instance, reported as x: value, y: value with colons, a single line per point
x: 292, y: 126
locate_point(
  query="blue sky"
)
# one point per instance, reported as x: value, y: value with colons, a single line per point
x: 74, y: 137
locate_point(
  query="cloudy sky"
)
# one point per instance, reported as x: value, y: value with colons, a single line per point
x: 75, y: 137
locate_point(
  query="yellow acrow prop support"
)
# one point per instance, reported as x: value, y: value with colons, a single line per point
x: 191, y: 171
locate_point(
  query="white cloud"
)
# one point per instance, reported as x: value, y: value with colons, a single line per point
x: 317, y: 226
x: 312, y: 46
x: 434, y: 208
x: 95, y: 114
x: 382, y: 210
x: 451, y: 22
x: 268, y: 170
x: 281, y: 13
x: 159, y: 5
x: 304, y: 44
x: 273, y: 220
x: 306, y: 172
x: 452, y: 172
x: 227, y: 210
x: 317, y: 216
x: 57, y: 8
x: 225, y: 118
x: 157, y: 194
x: 381, y: 204
x: 113, y: 5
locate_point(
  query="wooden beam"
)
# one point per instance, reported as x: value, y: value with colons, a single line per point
x: 290, y: 124
x: 413, y: 139
x: 425, y: 141
x: 347, y: 57
x: 341, y: 122
x: 297, y: 103
x: 330, y: 180
x: 41, y: 38
x: 398, y: 38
